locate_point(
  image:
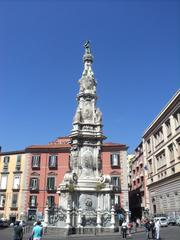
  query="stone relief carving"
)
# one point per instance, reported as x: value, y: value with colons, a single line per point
x: 87, y: 163
x: 87, y: 84
x: 77, y: 116
x: 98, y: 118
x: 87, y: 112
x: 88, y: 203
x: 73, y: 159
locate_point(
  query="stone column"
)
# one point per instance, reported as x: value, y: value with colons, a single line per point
x: 68, y: 217
x: 46, y: 215
x: 79, y: 220
x: 112, y: 217
x: 99, y: 218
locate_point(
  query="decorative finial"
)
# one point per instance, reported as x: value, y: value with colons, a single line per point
x: 87, y: 56
x: 87, y: 47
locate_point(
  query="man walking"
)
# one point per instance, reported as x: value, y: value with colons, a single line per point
x: 148, y: 228
x: 37, y: 231
x: 153, y: 230
x: 18, y: 231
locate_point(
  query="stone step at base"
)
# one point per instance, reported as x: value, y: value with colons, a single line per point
x: 51, y: 231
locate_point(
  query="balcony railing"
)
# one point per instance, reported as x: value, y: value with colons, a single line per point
x: 116, y: 188
x: 34, y: 189
x: 16, y: 188
x: 14, y: 207
x: 33, y: 205
x: 52, y: 189
x: 3, y: 189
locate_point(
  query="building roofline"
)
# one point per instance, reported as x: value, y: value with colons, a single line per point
x: 163, y: 111
x: 12, y: 152
x: 61, y: 148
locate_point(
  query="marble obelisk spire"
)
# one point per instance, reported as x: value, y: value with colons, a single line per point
x: 86, y: 136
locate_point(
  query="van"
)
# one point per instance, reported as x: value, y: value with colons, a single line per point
x: 163, y: 221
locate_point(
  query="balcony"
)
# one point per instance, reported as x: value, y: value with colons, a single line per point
x: 16, y: 188
x: 116, y: 188
x: 52, y: 189
x: 31, y: 205
x: 34, y: 189
x: 35, y: 167
x: 14, y: 207
x: 3, y: 189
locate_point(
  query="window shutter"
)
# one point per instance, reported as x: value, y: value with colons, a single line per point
x: 3, y: 182
x: 111, y: 160
x: 118, y: 160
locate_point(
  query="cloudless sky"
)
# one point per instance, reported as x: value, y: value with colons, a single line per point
x: 136, y: 48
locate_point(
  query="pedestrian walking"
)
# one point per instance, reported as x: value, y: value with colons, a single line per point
x: 134, y: 227
x: 37, y: 231
x: 124, y: 227
x: 148, y: 229
x: 18, y: 231
x: 153, y: 229
x: 157, y: 227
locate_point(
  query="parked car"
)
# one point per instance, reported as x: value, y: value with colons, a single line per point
x: 178, y: 221
x: 171, y: 221
x: 163, y: 221
x: 4, y: 224
x: 21, y: 223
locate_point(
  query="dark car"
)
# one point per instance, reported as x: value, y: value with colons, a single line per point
x: 171, y: 221
x: 4, y: 224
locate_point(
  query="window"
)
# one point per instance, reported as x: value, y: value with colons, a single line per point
x: 177, y: 118
x: 51, y: 183
x: 14, y: 200
x: 16, y: 183
x: 150, y: 166
x: 115, y: 161
x: 18, y: 163
x: 6, y: 163
x: 6, y: 160
x: 161, y: 159
x: 168, y: 128
x: 34, y: 184
x: 117, y: 200
x: 3, y: 182
x: 36, y: 161
x: 158, y: 137
x: 33, y: 201
x: 178, y: 146
x: 52, y: 161
x: 171, y: 152
x: 115, y: 181
x: 50, y: 200
x: 2, y: 200
x: 148, y: 146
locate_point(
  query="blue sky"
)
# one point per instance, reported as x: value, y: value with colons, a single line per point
x: 136, y: 48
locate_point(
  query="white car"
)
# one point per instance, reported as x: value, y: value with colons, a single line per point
x: 163, y: 221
